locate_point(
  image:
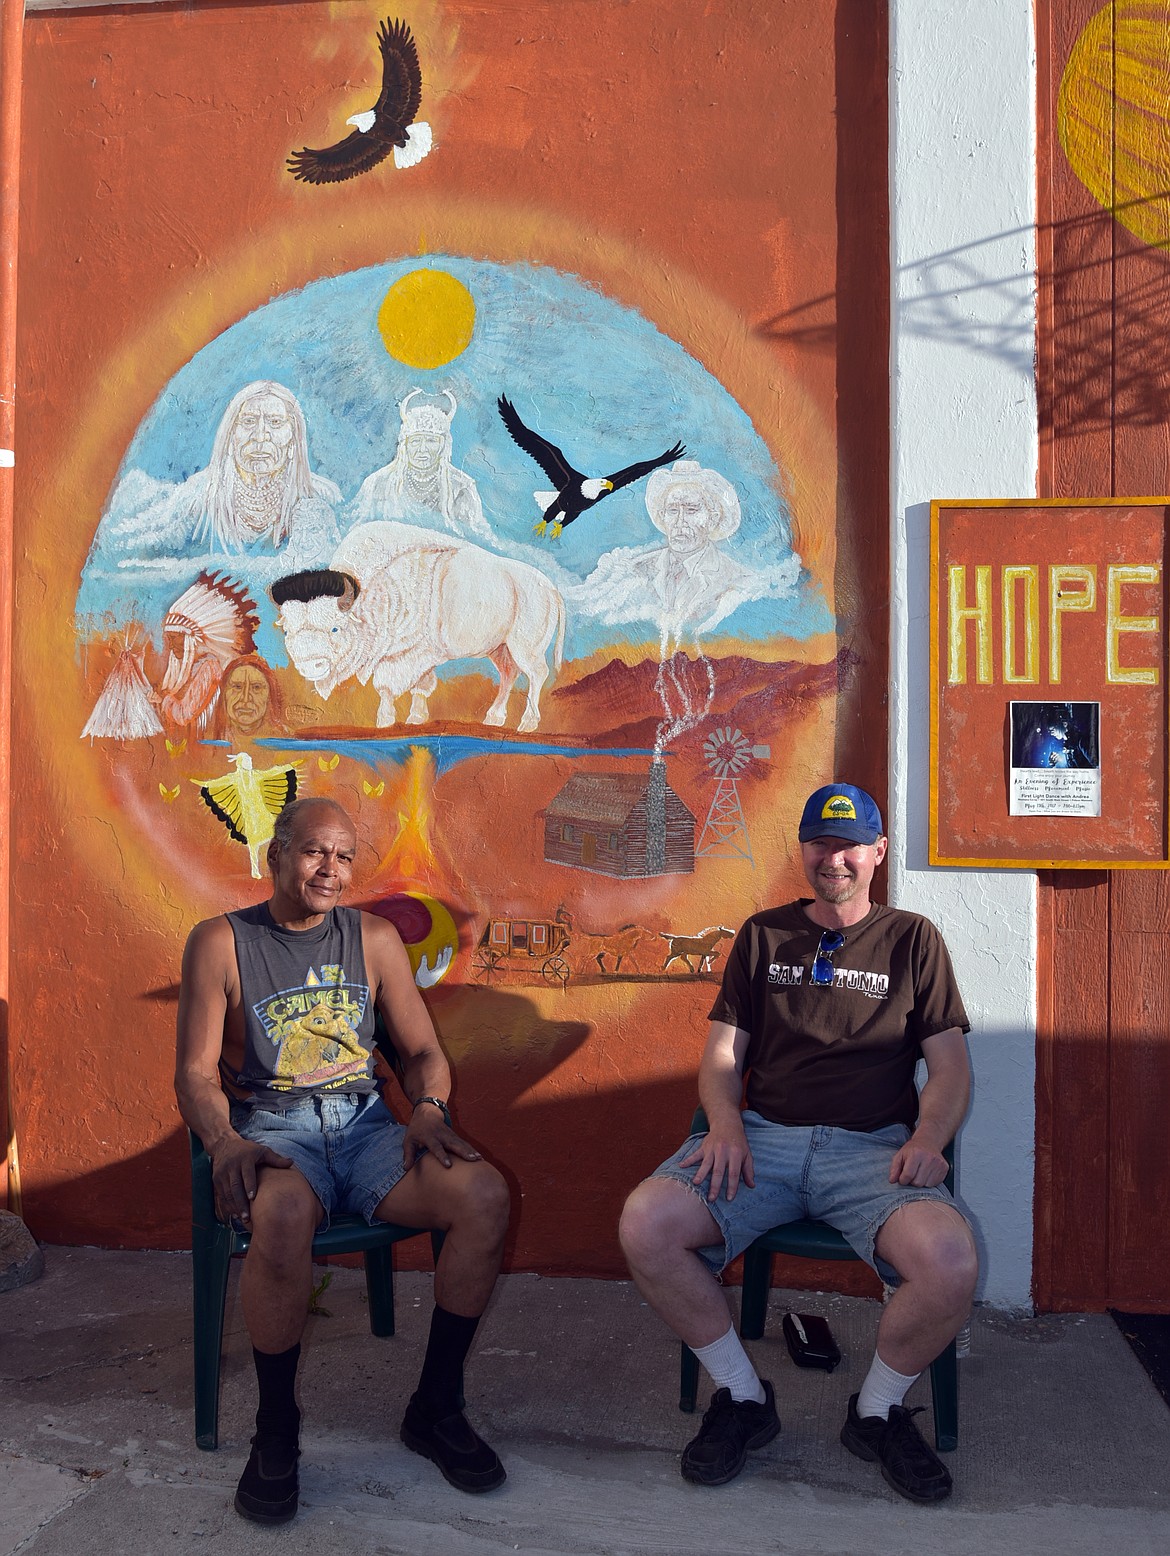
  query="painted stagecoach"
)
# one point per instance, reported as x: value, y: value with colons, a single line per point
x: 520, y: 944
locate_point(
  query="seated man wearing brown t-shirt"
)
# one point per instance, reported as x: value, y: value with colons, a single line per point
x: 826, y: 1007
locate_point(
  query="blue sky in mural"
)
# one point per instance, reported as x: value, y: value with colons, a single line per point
x: 591, y: 375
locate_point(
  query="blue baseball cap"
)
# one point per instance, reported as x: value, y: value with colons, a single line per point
x: 841, y: 810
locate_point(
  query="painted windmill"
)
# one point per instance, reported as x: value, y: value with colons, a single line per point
x: 727, y: 754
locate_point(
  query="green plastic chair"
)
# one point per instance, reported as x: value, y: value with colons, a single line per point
x: 212, y: 1246
x: 817, y: 1240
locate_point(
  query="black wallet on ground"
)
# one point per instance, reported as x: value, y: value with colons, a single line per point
x: 810, y: 1341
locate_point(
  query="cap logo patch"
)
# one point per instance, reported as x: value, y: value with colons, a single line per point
x: 838, y: 807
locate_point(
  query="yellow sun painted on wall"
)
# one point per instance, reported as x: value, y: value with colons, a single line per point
x: 1113, y: 114
x: 426, y: 318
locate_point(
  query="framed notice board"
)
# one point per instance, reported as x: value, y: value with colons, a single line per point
x: 1048, y: 655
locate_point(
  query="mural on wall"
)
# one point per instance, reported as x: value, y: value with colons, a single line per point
x: 291, y: 539
x: 291, y: 568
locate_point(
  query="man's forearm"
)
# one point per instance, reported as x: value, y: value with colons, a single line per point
x: 426, y: 1075
x: 205, y: 1109
x: 721, y: 1093
x: 942, y: 1106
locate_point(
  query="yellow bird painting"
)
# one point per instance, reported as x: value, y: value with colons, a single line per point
x: 248, y: 802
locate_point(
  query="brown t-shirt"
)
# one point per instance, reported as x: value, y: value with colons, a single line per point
x: 844, y: 1053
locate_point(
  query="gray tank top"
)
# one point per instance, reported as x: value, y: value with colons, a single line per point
x: 308, y: 1016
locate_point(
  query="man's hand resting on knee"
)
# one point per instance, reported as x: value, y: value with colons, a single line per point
x: 919, y: 1163
x: 234, y: 1176
x: 429, y: 1131
x: 719, y: 1157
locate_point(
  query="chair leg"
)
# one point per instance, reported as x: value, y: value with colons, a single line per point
x: 380, y: 1290
x: 944, y: 1389
x: 211, y: 1256
x: 688, y: 1387
x: 753, y: 1302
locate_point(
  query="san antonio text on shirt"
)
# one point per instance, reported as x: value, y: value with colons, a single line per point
x: 875, y: 985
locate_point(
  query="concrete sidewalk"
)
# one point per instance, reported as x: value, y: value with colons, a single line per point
x: 1064, y: 1443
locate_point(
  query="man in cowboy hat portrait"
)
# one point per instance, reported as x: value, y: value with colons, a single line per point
x: 691, y: 582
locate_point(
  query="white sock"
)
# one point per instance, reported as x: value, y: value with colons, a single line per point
x: 883, y: 1387
x: 730, y: 1367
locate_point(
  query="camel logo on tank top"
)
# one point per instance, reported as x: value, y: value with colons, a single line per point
x: 314, y: 1030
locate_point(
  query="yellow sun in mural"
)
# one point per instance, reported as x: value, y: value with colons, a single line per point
x: 426, y: 318
x: 1113, y: 114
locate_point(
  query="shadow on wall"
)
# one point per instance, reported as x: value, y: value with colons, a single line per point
x: 570, y: 1158
x: 981, y: 296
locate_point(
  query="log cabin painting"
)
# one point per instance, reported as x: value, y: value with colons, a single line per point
x: 627, y: 825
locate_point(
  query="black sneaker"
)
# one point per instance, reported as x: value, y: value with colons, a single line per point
x: 730, y: 1429
x: 450, y: 1442
x: 908, y: 1464
x: 267, y: 1493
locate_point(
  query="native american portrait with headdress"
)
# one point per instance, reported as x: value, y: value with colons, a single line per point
x: 420, y: 485
x: 209, y: 625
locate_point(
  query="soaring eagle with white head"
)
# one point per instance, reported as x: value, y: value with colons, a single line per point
x: 389, y: 126
x: 575, y: 491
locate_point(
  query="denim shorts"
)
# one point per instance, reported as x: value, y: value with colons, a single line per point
x: 347, y: 1145
x: 823, y: 1173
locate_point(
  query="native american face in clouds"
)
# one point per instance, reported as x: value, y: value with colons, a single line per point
x: 262, y: 436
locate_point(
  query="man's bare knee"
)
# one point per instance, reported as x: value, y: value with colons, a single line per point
x: 931, y: 1244
x: 663, y: 1215
x: 480, y: 1202
x: 285, y: 1215
x: 469, y: 1197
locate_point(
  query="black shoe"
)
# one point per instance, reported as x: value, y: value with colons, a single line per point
x: 461, y: 1454
x: 730, y: 1429
x: 267, y: 1493
x: 908, y: 1464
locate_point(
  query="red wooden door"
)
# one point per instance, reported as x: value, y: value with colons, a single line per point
x: 1103, y: 1061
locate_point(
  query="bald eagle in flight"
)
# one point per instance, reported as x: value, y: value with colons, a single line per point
x: 386, y: 127
x: 575, y: 491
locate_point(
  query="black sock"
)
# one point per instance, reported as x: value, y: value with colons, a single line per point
x: 276, y: 1373
x: 440, y: 1385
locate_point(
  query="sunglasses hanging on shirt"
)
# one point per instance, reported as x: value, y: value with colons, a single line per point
x: 822, y: 968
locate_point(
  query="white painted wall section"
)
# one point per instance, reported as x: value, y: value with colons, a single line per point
x: 963, y: 209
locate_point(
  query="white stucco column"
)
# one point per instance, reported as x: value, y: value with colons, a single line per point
x: 963, y: 320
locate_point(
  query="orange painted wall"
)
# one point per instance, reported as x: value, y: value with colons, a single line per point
x: 719, y: 169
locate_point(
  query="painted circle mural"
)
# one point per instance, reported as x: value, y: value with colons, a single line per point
x: 484, y: 555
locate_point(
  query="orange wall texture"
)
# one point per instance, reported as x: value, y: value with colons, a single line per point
x: 646, y: 225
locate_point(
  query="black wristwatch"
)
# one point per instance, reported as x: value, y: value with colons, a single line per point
x: 435, y: 1102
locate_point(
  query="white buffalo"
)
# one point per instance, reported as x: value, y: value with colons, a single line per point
x: 395, y: 602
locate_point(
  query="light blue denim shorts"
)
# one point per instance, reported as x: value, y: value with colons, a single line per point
x: 824, y: 1173
x: 348, y: 1146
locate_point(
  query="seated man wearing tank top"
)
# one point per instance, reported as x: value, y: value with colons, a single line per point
x: 275, y: 1073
